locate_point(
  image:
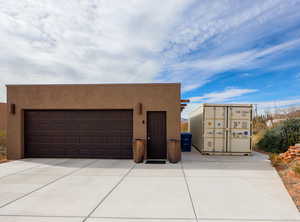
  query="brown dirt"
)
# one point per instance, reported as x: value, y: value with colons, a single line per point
x: 291, y: 181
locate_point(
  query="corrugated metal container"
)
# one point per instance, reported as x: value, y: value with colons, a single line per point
x: 222, y: 128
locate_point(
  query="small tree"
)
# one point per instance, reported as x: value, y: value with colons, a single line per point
x: 290, y: 132
x: 259, y: 123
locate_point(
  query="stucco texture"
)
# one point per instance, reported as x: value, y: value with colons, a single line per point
x: 154, y: 97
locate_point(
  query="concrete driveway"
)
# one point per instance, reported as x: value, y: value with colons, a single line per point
x: 201, y: 188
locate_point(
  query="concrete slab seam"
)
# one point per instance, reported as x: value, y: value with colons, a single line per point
x: 189, y: 192
x: 107, y: 195
x: 145, y: 218
x: 247, y: 220
x: 157, y: 218
x: 200, y: 219
x: 39, y: 216
x: 53, y: 181
x: 30, y: 168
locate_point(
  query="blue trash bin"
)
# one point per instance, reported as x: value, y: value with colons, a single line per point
x: 186, y: 142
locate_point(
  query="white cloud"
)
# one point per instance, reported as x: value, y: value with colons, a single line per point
x: 274, y: 106
x: 137, y: 41
x: 246, y: 74
x: 83, y: 41
x: 208, y: 67
x: 278, y: 48
x: 217, y: 64
x: 231, y: 35
x: 239, y: 20
x: 277, y: 103
x: 225, y: 96
x: 222, y: 97
x: 262, y: 106
x: 210, y: 18
x: 188, y: 109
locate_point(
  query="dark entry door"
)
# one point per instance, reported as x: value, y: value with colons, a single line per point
x: 78, y: 133
x: 156, y: 135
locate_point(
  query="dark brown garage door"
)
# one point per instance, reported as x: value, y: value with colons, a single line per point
x: 78, y: 134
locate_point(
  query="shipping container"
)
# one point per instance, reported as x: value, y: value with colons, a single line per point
x: 222, y: 128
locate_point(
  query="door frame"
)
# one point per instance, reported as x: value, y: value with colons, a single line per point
x: 147, y: 133
x: 229, y: 126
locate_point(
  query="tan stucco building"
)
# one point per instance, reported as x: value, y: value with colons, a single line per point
x: 92, y: 121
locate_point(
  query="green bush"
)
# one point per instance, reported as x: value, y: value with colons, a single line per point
x: 278, y: 139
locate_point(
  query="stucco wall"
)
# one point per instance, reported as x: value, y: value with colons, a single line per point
x: 154, y: 97
x: 2, y: 116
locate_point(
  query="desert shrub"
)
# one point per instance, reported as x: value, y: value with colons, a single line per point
x: 275, y: 159
x: 278, y: 139
x: 270, y: 142
x: 296, y: 168
x: 290, y: 132
x: 2, y: 138
x: 257, y: 137
x: 259, y: 124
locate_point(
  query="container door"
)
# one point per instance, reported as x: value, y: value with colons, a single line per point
x: 239, y: 124
x: 214, y: 129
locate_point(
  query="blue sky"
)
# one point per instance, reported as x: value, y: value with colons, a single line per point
x: 222, y: 51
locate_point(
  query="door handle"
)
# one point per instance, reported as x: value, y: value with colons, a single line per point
x: 148, y: 138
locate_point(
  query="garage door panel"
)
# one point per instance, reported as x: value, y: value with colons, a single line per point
x: 104, y: 153
x: 92, y: 139
x: 104, y: 133
x: 51, y: 125
x: 48, y: 139
x: 104, y: 147
x: 82, y: 133
x: 46, y: 151
x: 103, y: 140
x: 71, y: 149
x: 36, y: 115
x: 97, y: 125
x: 109, y: 154
x: 125, y: 140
